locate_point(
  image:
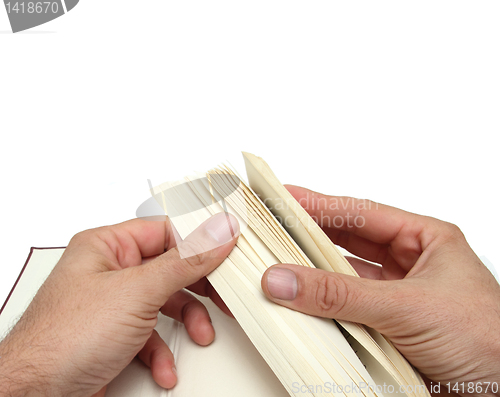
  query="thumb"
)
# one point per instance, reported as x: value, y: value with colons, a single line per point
x: 192, y: 259
x: 376, y: 303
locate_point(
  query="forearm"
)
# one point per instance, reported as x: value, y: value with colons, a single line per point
x: 22, y: 372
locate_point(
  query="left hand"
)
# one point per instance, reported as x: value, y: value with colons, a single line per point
x: 98, y: 308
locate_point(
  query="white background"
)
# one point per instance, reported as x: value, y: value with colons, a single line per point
x: 388, y: 100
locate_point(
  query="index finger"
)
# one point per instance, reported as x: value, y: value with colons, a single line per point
x: 373, y: 231
x: 127, y: 243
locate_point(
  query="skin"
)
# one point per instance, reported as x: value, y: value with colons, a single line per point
x: 105, y: 301
x: 431, y: 295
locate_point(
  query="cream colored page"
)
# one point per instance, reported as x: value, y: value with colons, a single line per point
x: 134, y: 381
x: 229, y: 366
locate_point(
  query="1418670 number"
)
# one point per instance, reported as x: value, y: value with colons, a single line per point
x: 40, y: 7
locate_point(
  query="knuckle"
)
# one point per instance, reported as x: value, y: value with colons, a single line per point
x: 195, y: 260
x: 452, y: 231
x: 193, y: 306
x: 91, y: 234
x: 331, y: 294
x: 82, y: 237
x: 193, y: 253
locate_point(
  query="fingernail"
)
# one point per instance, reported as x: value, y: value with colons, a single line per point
x: 282, y: 284
x: 174, y: 370
x: 222, y: 227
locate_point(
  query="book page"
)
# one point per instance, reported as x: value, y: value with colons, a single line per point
x: 229, y: 366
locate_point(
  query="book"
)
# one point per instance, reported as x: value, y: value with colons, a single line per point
x: 280, y: 351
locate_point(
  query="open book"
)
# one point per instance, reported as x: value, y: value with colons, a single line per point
x: 297, y: 353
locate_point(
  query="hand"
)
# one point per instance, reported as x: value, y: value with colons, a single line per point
x: 98, y: 308
x: 432, y: 296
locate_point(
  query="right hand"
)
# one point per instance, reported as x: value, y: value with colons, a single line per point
x: 432, y: 296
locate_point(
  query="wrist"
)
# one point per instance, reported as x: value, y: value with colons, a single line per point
x: 487, y: 384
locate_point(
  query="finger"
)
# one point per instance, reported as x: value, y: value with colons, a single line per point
x: 333, y: 295
x: 157, y: 356
x: 376, y: 222
x: 373, y: 231
x: 184, y: 307
x: 125, y: 244
x: 204, y: 288
x: 193, y: 258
